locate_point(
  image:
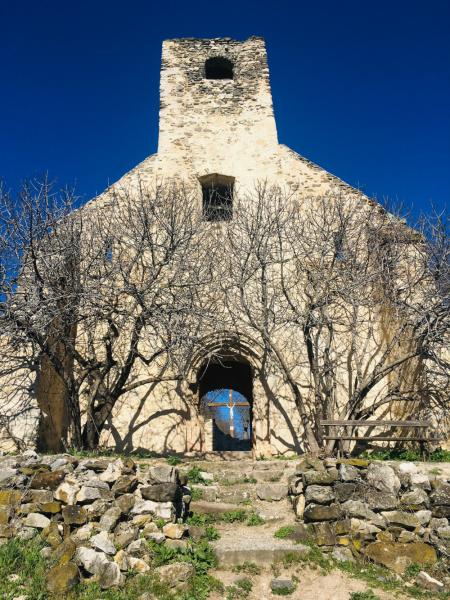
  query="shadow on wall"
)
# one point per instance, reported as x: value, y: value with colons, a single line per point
x: 241, y: 381
x: 125, y: 443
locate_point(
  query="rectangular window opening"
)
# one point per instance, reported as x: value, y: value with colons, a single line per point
x: 217, y: 201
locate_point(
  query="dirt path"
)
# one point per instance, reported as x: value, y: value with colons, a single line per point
x: 312, y: 582
x: 311, y: 585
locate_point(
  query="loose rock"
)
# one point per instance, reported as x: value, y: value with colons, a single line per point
x: 398, y: 557
x: 62, y: 578
x: 383, y: 478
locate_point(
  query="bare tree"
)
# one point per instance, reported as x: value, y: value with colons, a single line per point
x: 101, y: 295
x: 348, y: 305
x: 343, y: 298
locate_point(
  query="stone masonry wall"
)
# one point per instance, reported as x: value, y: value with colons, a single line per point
x: 96, y: 516
x: 356, y: 508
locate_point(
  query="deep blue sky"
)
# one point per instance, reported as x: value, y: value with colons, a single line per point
x: 361, y: 88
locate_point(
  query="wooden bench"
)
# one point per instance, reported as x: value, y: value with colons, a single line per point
x: 420, y: 426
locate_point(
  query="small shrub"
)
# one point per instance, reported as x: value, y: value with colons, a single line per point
x: 440, y: 455
x: 407, y: 454
x: 162, y: 554
x: 233, y: 593
x: 245, y: 584
x: 160, y: 523
x: 200, y: 519
x: 435, y: 471
x: 283, y: 532
x: 194, y: 475
x: 173, y: 460
x: 254, y: 520
x: 201, y: 587
x: 211, y: 533
x: 200, y: 555
x: 234, y: 516
x: 288, y: 560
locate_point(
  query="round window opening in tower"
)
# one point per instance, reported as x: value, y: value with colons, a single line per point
x: 218, y: 68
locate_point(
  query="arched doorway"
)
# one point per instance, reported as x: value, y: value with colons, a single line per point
x: 225, y: 391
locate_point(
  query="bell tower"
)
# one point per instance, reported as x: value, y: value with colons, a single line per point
x: 216, y: 102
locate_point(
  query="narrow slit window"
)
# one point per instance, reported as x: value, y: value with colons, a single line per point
x: 218, y: 67
x: 217, y: 196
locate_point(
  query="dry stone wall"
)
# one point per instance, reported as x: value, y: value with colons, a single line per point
x: 101, y: 518
x: 96, y: 516
x: 356, y: 508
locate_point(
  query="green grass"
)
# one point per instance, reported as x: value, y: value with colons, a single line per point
x: 239, y: 590
x: 200, y: 555
x: 196, y: 494
x: 254, y: 520
x: 173, y: 460
x: 368, y: 595
x: 23, y: 559
x: 247, y: 567
x: 245, y: 584
x: 435, y: 471
x: 110, y: 453
x: 381, y: 577
x: 201, y: 519
x: 374, y: 575
x: 211, y: 533
x: 234, y: 516
x: 413, y: 570
x: 283, y: 591
x: 283, y: 532
x: 194, y: 475
x: 316, y: 556
x: 438, y: 455
x: 199, y: 589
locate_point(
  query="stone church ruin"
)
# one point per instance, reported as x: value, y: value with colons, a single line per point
x: 226, y: 294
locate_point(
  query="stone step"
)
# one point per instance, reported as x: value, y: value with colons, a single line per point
x: 220, y: 456
x: 246, y: 472
x: 203, y: 507
x: 242, y: 493
x: 255, y: 547
x: 250, y: 476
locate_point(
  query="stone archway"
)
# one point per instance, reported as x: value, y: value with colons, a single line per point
x: 226, y: 403
x: 219, y: 349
